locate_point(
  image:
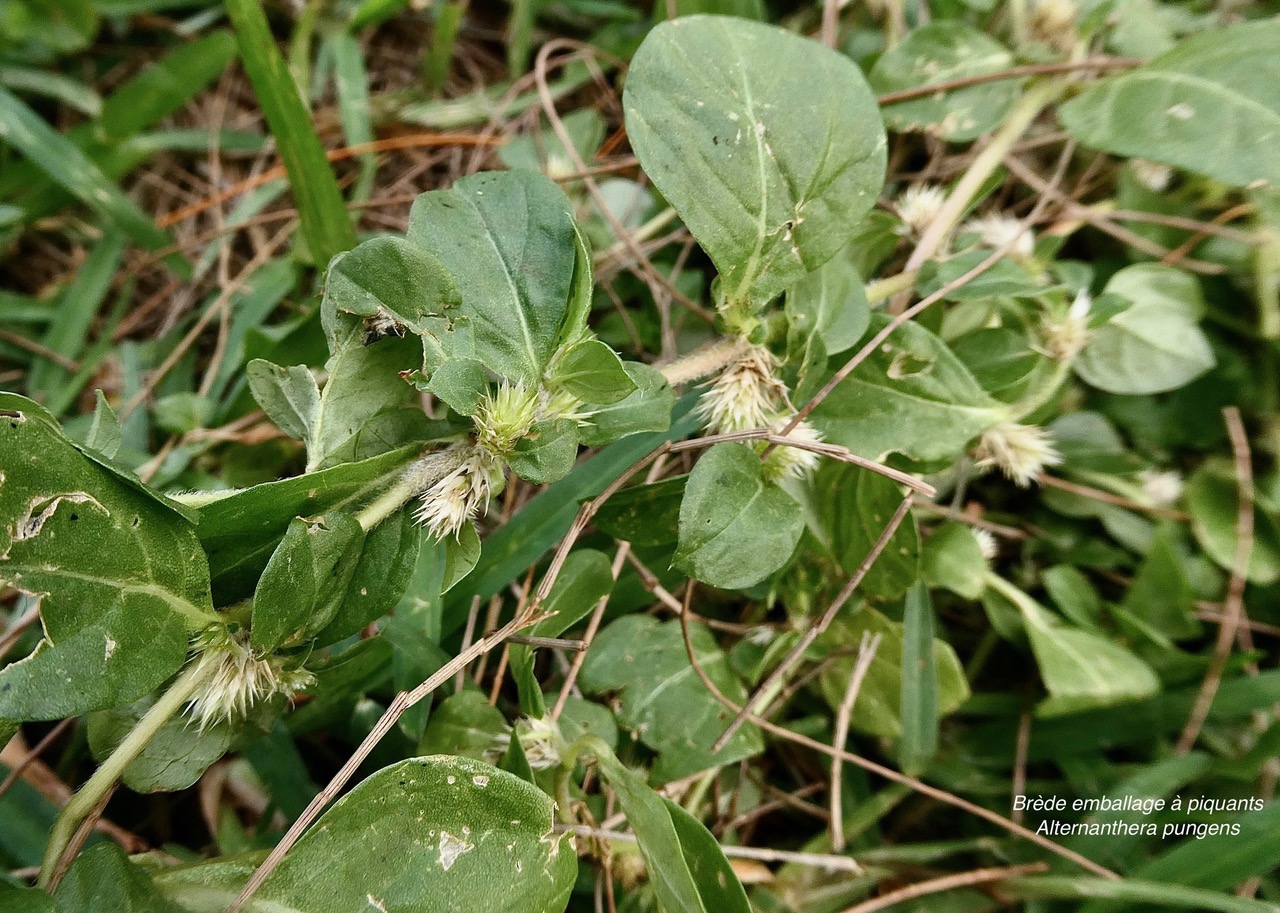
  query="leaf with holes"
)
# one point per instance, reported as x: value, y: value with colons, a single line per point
x: 122, y: 575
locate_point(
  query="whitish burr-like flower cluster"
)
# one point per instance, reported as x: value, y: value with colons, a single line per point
x: 234, y: 678
x: 460, y: 496
x: 1021, y: 452
x: 1152, y: 175
x: 505, y: 417
x: 785, y: 462
x: 918, y: 206
x: 748, y: 396
x: 540, y: 740
x: 1053, y: 22
x: 1163, y: 487
x: 997, y: 231
x: 1065, y: 337
x: 987, y: 543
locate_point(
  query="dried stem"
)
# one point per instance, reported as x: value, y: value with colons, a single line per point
x: 866, y: 654
x: 1233, y: 606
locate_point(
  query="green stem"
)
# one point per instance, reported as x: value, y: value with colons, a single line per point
x: 1023, y: 115
x: 884, y: 289
x: 412, y: 482
x: 105, y: 777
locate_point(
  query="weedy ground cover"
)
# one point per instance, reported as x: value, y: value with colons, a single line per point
x: 585, y: 457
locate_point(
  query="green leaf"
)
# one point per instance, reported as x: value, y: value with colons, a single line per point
x: 165, y: 86
x: 325, y: 223
x: 827, y: 312
x: 239, y: 532
x: 687, y: 869
x: 854, y: 506
x: 75, y: 172
x: 289, y: 396
x: 878, y: 708
x: 729, y: 512
x: 1155, y: 345
x: 911, y: 396
x: 942, y: 52
x: 1221, y: 861
x: 646, y: 409
x: 592, y: 372
x: 644, y: 515
x: 952, y: 559
x: 175, y: 757
x: 391, y: 276
x: 1161, y: 595
x: 123, y: 577
x: 1151, y: 894
x: 919, y: 683
x: 305, y: 580
x: 365, y: 388
x: 68, y: 332
x: 465, y: 725
x: 771, y: 177
x: 1213, y: 502
x: 104, y: 431
x: 103, y: 880
x: 388, y: 557
x: 461, y: 383
x: 1080, y: 669
x: 661, y: 698
x: 1211, y: 105
x: 453, y: 826
x: 547, y: 452
x: 509, y: 240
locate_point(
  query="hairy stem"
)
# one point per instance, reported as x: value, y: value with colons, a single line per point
x: 415, y: 480
x: 105, y: 777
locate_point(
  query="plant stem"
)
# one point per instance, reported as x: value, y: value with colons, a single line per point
x: 105, y: 777
x: 705, y: 361
x: 884, y: 289
x: 415, y: 480
x: 1024, y: 113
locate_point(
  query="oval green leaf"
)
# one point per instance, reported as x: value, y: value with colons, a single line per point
x: 771, y: 176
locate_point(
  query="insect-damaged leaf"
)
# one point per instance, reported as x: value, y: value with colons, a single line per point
x: 428, y: 835
x: 122, y: 575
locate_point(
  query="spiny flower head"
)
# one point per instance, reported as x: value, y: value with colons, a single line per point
x: 1163, y: 487
x: 785, y: 462
x: 997, y: 230
x: 541, y: 741
x: 1053, y: 22
x: 235, y: 678
x: 987, y: 544
x: 1065, y: 337
x: 1152, y: 175
x: 505, y: 417
x: 747, y: 394
x: 918, y: 206
x: 1021, y: 452
x: 460, y: 496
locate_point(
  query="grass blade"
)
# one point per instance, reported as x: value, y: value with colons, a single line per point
x: 919, y: 683
x: 72, y: 170
x: 325, y: 224
x: 1167, y: 896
